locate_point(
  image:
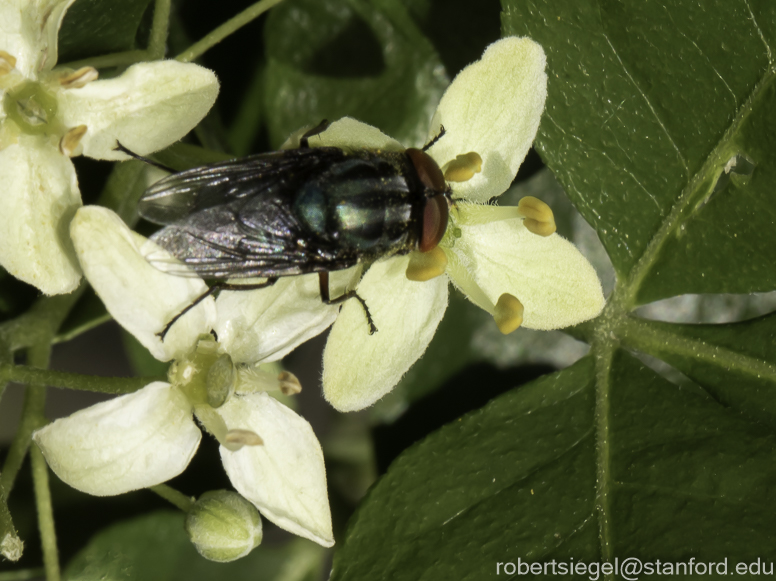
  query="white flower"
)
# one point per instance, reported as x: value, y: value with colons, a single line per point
x: 506, y: 260
x: 270, y: 454
x: 49, y: 115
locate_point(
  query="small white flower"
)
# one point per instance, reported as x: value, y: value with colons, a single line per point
x: 506, y: 260
x: 49, y: 115
x: 270, y: 454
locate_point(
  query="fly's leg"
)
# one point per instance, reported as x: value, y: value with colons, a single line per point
x: 219, y: 286
x: 320, y: 128
x: 437, y: 138
x: 323, y: 282
x: 133, y: 155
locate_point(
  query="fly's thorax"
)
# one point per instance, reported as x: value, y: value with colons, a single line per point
x: 367, y: 205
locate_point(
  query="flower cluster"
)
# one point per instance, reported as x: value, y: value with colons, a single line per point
x: 270, y: 454
x: 507, y: 261
x: 49, y: 115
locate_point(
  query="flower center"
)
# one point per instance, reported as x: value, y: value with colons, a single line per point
x: 31, y: 107
x: 207, y: 376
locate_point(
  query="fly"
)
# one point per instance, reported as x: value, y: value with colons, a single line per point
x: 298, y: 211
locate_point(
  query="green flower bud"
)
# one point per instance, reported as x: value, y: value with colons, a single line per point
x: 223, y: 526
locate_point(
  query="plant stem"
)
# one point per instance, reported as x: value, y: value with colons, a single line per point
x: 159, y: 28
x: 227, y: 28
x: 48, y: 535
x: 173, y: 496
x: 111, y: 385
x: 32, y: 411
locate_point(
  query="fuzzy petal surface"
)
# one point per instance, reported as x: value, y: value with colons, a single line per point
x: 492, y: 107
x: 267, y: 324
x: 29, y: 30
x: 40, y: 197
x: 147, y: 108
x: 141, y: 298
x: 134, y: 441
x: 358, y: 368
x: 285, y: 477
x: 349, y: 133
x: 557, y: 286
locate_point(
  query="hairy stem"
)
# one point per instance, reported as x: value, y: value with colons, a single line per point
x: 111, y: 385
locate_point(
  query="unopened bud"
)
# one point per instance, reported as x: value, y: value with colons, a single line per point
x: 223, y: 526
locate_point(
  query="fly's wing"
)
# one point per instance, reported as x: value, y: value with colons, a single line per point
x: 235, y: 226
x: 180, y: 195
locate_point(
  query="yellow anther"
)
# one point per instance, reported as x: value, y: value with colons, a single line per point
x: 79, y: 78
x: 424, y: 266
x: 70, y: 143
x: 289, y: 384
x: 7, y: 63
x: 508, y: 313
x: 463, y: 167
x: 236, y: 439
x: 539, y: 218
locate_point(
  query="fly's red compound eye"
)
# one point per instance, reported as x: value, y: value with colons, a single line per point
x: 428, y: 171
x: 434, y: 222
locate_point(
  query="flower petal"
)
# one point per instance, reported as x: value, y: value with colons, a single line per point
x: 28, y: 32
x: 349, y: 133
x: 267, y: 324
x: 126, y: 443
x: 285, y: 477
x: 493, y: 108
x: 556, y: 284
x: 40, y: 197
x: 147, y: 108
x: 141, y: 298
x: 358, y: 368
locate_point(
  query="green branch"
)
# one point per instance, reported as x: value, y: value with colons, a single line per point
x: 230, y: 26
x: 48, y: 535
x: 111, y: 385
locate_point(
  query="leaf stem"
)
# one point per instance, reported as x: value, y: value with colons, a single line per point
x: 173, y: 496
x: 603, y: 348
x: 656, y: 339
x: 230, y: 26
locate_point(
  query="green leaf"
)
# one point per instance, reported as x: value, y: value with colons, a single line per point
x: 648, y: 103
x: 329, y: 59
x: 523, y: 478
x: 155, y: 547
x: 96, y: 27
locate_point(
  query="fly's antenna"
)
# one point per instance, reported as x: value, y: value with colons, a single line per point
x: 437, y: 138
x: 133, y: 155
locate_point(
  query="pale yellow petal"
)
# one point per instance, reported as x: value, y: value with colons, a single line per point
x: 40, y: 197
x: 147, y: 108
x: 134, y: 441
x: 358, y: 368
x: 492, y: 108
